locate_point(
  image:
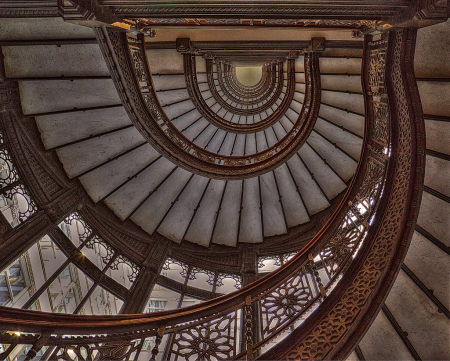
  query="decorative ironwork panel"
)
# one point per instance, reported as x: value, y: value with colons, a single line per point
x: 184, y: 267
x: 133, y: 267
x: 82, y: 228
x: 121, y: 351
x: 22, y: 204
x: 8, y: 173
x: 222, y: 276
x: 283, y: 303
x: 99, y: 246
x: 214, y: 339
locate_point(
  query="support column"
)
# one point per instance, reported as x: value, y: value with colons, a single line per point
x: 17, y: 241
x: 143, y: 286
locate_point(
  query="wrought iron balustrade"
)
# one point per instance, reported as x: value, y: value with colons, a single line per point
x: 129, y: 68
x: 339, y: 279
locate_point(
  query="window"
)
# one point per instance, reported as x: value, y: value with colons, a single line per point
x: 156, y: 305
x: 12, y: 282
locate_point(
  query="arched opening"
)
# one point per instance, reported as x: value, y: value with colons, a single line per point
x: 249, y: 75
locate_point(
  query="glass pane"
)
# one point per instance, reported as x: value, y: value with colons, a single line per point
x: 190, y: 301
x: 75, y: 228
x: 84, y: 283
x: 12, y: 283
x: 201, y: 279
x: 98, y: 252
x: 228, y: 283
x: 123, y: 271
x: 101, y: 302
x: 62, y: 291
x: 4, y: 291
x: 16, y: 278
x: 51, y: 256
x: 162, y: 299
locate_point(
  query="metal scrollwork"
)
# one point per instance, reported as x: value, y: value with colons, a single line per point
x: 184, y: 267
x: 101, y: 246
x: 214, y: 339
x: 8, y: 173
x: 371, y: 225
x: 83, y: 229
x: 133, y: 267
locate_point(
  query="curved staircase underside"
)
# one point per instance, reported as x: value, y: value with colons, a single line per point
x: 68, y: 95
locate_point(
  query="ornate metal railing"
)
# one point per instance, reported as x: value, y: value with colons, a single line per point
x: 15, y: 203
x: 219, y: 122
x: 263, y: 99
x: 347, y: 268
x: 129, y: 68
x: 248, y: 95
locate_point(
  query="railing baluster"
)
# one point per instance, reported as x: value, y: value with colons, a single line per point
x: 249, y: 327
x: 158, y: 339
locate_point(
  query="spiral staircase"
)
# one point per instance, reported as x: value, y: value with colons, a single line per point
x: 85, y: 154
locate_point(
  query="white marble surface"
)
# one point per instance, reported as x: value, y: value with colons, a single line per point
x: 41, y: 29
x: 340, y: 65
x: 352, y: 102
x: 434, y: 216
x: 436, y: 174
x: 60, y: 129
x: 128, y: 197
x: 437, y: 135
x: 350, y: 121
x: 431, y: 265
x: 54, y: 61
x: 330, y: 183
x: 80, y: 157
x: 56, y: 95
x: 428, y: 330
x: 433, y: 51
x: 381, y: 342
x: 105, y: 179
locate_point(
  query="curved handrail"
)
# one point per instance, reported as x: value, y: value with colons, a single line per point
x: 389, y: 186
x: 391, y: 92
x: 229, y: 95
x: 129, y: 69
x: 268, y: 102
x: 196, y: 97
x: 228, y: 77
x: 246, y: 88
x: 348, y: 218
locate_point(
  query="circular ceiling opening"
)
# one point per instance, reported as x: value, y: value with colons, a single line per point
x: 249, y: 75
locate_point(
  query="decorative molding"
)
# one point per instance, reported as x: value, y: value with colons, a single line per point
x: 282, y: 11
x: 28, y: 9
x: 76, y: 10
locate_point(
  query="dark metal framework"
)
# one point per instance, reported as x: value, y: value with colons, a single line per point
x: 392, y: 126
